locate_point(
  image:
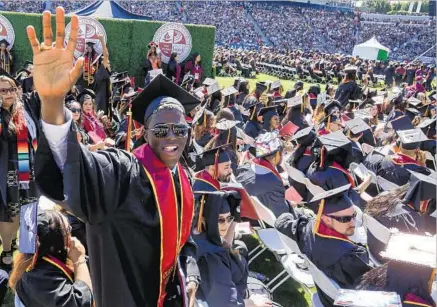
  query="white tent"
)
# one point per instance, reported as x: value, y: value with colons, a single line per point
x: 371, y: 50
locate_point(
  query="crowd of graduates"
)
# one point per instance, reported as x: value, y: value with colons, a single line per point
x: 151, y: 182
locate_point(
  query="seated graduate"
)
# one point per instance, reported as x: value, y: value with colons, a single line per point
x: 229, y: 101
x: 223, y: 270
x: 227, y: 135
x: 252, y: 127
x: 242, y: 86
x: 203, y: 126
x: 410, y: 275
x: 355, y: 130
x: 407, y: 208
x: 302, y: 157
x: 57, y: 273
x: 261, y: 178
x: 398, y: 107
x: 215, y: 166
x: 270, y: 118
x: 296, y: 114
x: 128, y: 231
x: 396, y: 168
x: 324, y: 238
x: 331, y: 120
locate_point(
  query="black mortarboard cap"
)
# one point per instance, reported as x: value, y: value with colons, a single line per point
x: 200, y: 116
x: 421, y: 188
x: 4, y: 41
x: 90, y: 43
x: 401, y: 123
x: 261, y: 86
x: 412, y: 113
x: 5, y: 73
x: 208, y: 81
x: 335, y: 200
x: 333, y: 142
x: 357, y: 125
x: 275, y: 85
x: 272, y: 110
x: 305, y: 136
x: 120, y: 76
x: 225, y: 124
x: 69, y: 98
x: 414, y: 101
x: 161, y: 90
x: 428, y: 126
x: 250, y: 102
x: 332, y: 106
x: 397, y: 99
x: 229, y: 91
x: 411, y: 139
x: 28, y: 63
x: 215, y: 155
x: 85, y: 92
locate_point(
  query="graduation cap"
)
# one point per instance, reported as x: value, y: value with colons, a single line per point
x: 421, y: 190
x: 159, y: 91
x: 90, y: 43
x: 428, y: 125
x: 225, y: 124
x: 261, y: 86
x: 378, y: 99
x: 357, y: 126
x: 350, y: 69
x: 396, y: 99
x: 213, y: 88
x: 401, y: 123
x: 414, y: 101
x: 332, y: 106
x: 208, y: 81
x: 275, y: 85
x: 199, y: 92
x: 214, y: 156
x: 5, y: 73
x: 200, y: 116
x: 86, y: 94
x: 411, y: 139
x: 229, y: 91
x: 120, y: 76
x: 239, y: 81
x: 334, y: 142
x: 412, y: 113
x: 268, y: 144
x: 305, y: 136
x: 27, y: 63
x: 4, y: 41
x: 268, y: 111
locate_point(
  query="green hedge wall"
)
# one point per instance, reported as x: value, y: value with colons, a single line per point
x: 127, y: 41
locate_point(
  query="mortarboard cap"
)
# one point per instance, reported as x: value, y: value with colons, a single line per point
x: 199, y: 92
x: 294, y: 102
x: 215, y: 155
x: 357, y: 126
x: 213, y: 88
x: 332, y: 201
x: 4, y: 41
x: 28, y: 228
x: 275, y: 85
x: 333, y: 142
x: 226, y: 124
x: 238, y: 81
x: 401, y: 123
x: 84, y: 94
x: 26, y: 63
x: 272, y: 110
x: 305, y: 136
x: 350, y: 69
x: 90, y: 43
x: 421, y: 189
x: 5, y: 73
x: 261, y: 86
x: 200, y: 116
x: 427, y: 126
x: 332, y: 106
x: 229, y: 91
x: 412, y: 113
x: 161, y: 90
x: 208, y: 81
x: 411, y: 139
x: 414, y: 101
x: 120, y: 75
x: 267, y: 144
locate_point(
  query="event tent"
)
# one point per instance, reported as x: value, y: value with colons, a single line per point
x: 371, y: 50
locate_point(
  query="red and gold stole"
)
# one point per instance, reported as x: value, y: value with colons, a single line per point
x: 266, y: 164
x: 345, y: 172
x: 401, y: 159
x: 326, y: 232
x: 174, y: 235
x: 60, y: 265
x: 207, y: 178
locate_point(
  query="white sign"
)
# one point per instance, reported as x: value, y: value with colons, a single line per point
x: 89, y: 31
x: 7, y: 31
x: 173, y: 37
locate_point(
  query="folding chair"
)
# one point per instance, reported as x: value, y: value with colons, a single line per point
x: 325, y: 284
x: 379, y: 231
x: 430, y: 157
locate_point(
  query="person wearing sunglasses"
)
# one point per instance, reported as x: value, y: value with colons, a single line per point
x: 19, y: 117
x: 138, y: 207
x: 324, y: 238
x: 224, y: 272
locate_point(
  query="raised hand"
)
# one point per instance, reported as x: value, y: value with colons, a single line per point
x: 54, y: 73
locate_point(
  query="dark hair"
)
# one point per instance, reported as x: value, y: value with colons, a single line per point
x: 173, y: 56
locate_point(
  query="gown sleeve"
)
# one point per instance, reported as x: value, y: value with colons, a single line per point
x: 188, y: 256
x: 91, y: 185
x: 293, y: 226
x: 217, y: 287
x: 50, y: 289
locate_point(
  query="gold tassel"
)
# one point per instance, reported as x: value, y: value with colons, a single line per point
x: 229, y: 136
x: 328, y: 123
x: 302, y: 106
x: 129, y: 130
x: 319, y: 216
x: 204, y: 119
x: 322, y: 157
x: 253, y: 113
x: 216, y: 164
x: 199, y: 220
x: 431, y: 280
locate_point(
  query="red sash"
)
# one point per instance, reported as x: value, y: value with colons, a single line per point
x: 401, y: 159
x: 206, y: 177
x: 323, y: 132
x: 307, y: 151
x: 266, y: 164
x: 345, y: 172
x: 415, y: 300
x: 326, y: 232
x: 173, y: 235
x: 55, y: 262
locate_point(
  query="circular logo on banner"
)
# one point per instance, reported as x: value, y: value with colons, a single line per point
x: 89, y: 31
x: 173, y: 37
x: 7, y: 31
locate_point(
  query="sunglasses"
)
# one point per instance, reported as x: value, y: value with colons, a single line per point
x: 75, y: 110
x: 4, y: 91
x: 344, y: 219
x: 162, y: 130
x: 228, y: 220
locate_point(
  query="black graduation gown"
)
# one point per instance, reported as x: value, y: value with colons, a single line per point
x: 346, y: 91
x: 110, y: 191
x: 47, y: 286
x: 265, y: 185
x: 101, y: 88
x: 204, y: 139
x: 237, y: 114
x: 252, y: 129
x: 341, y: 260
x: 396, y: 169
x: 224, y: 278
x: 357, y: 153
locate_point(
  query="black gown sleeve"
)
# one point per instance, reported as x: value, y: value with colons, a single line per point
x: 41, y: 287
x: 293, y: 226
x: 93, y: 184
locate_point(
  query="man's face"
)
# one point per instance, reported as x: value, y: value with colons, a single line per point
x: 347, y: 229
x: 169, y: 148
x: 224, y: 171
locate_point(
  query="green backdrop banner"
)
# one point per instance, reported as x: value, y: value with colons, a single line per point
x: 127, y: 41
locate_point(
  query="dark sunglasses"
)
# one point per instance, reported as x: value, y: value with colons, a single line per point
x: 162, y: 130
x: 344, y: 219
x: 75, y: 110
x: 228, y: 220
x: 4, y: 91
